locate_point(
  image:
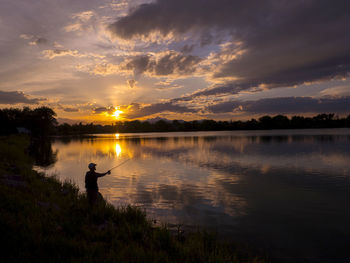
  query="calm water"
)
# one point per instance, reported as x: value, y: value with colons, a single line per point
x: 287, y: 192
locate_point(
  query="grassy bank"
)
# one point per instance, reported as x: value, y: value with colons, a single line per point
x: 45, y: 220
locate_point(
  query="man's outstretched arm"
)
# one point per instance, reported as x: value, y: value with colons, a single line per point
x: 103, y: 174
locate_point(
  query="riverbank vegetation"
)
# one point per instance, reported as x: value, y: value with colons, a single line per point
x: 45, y: 220
x: 41, y: 122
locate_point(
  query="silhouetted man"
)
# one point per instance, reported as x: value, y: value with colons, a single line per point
x: 91, y: 183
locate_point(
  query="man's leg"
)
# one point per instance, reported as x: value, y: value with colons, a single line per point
x: 92, y: 197
x: 99, y: 197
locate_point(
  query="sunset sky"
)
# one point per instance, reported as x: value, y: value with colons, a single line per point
x: 176, y: 59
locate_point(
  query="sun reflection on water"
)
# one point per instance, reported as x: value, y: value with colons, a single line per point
x: 118, y: 149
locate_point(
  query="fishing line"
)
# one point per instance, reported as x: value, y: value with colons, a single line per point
x: 119, y: 164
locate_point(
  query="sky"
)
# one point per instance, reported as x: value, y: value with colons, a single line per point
x: 101, y: 61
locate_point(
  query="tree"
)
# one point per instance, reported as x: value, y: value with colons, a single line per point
x: 265, y: 122
x: 43, y: 121
x: 280, y: 122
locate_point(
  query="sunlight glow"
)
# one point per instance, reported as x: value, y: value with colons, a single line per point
x: 117, y: 112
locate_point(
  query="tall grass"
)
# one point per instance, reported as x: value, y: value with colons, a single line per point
x: 45, y: 220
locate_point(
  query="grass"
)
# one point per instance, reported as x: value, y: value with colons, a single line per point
x: 45, y: 220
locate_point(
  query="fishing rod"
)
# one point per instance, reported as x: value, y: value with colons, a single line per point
x: 119, y: 164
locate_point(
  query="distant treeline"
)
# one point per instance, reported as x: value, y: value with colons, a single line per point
x: 41, y: 122
x: 263, y: 123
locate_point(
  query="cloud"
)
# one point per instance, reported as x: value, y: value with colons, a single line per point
x: 73, y: 27
x: 14, y: 97
x: 34, y: 40
x: 83, y: 21
x: 52, y: 53
x: 288, y: 105
x: 137, y: 64
x: 338, y: 91
x: 105, y: 69
x: 171, y: 62
x: 71, y: 109
x: 67, y: 108
x: 162, y: 64
x: 165, y: 63
x: 100, y: 110
x: 116, y: 5
x: 187, y: 48
x: 274, y: 43
x: 137, y: 110
x: 230, y: 88
x: 26, y: 36
x: 167, y: 85
x: 39, y: 41
x: 131, y: 83
x: 84, y: 16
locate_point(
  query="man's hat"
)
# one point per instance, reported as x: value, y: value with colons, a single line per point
x: 91, y: 165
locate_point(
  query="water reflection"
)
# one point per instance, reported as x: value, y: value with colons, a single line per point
x: 287, y: 191
x: 41, y: 151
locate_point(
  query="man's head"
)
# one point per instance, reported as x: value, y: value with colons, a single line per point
x: 92, y: 166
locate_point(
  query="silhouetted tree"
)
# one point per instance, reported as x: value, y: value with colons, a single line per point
x: 40, y: 121
x: 265, y: 122
x: 280, y: 122
x: 43, y: 121
x: 162, y: 125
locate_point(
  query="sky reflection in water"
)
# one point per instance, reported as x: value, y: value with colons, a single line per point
x: 288, y: 191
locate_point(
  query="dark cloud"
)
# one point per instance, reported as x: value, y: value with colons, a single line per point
x: 173, y: 62
x: 34, y: 40
x: 287, y: 105
x: 99, y: 110
x: 187, y: 48
x: 276, y: 43
x: 138, y: 64
x: 66, y: 108
x: 162, y: 64
x: 175, y: 16
x: 14, y: 97
x: 71, y: 109
x: 136, y: 110
x: 131, y: 83
x: 220, y: 89
x: 40, y: 41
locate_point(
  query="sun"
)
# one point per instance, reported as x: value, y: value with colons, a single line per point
x: 117, y: 112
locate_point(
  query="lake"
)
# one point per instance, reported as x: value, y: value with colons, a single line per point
x: 284, y: 191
